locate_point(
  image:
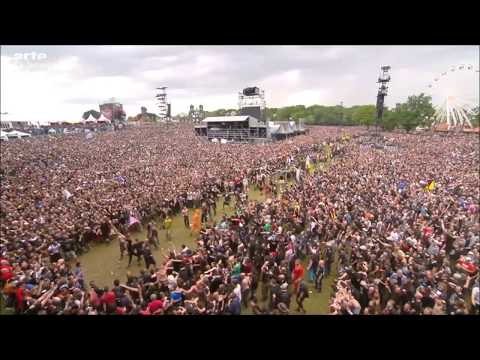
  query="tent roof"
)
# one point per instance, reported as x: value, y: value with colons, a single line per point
x: 225, y: 119
x: 282, y: 127
x: 103, y: 118
x: 17, y: 133
x: 91, y: 118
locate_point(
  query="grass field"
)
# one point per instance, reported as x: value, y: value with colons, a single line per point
x: 102, y: 263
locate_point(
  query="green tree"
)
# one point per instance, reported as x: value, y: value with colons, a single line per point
x: 414, y: 112
x: 475, y: 117
x: 364, y: 115
x: 389, y: 120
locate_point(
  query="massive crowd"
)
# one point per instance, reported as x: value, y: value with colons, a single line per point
x: 404, y: 245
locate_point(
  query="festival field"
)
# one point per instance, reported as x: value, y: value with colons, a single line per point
x: 391, y: 209
x: 96, y: 262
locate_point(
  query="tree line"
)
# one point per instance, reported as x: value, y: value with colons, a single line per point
x: 417, y: 111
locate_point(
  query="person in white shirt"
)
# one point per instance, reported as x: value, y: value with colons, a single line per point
x: 476, y: 299
x: 238, y: 291
x: 245, y: 184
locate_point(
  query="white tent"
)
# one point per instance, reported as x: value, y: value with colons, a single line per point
x: 3, y: 136
x: 90, y: 119
x: 103, y: 118
x: 17, y: 134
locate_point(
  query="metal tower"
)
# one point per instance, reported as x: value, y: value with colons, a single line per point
x: 251, y: 101
x: 163, y: 105
x: 383, y: 80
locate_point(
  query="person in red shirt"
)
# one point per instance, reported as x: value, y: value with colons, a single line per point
x: 427, y: 232
x: 108, y: 300
x: 155, y: 305
x: 145, y: 311
x: 120, y: 310
x: 20, y: 298
x: 6, y: 272
x: 298, y: 273
x: 93, y: 296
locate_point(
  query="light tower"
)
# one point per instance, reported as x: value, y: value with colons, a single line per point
x: 251, y: 101
x: 343, y: 112
x: 383, y: 80
x: 163, y: 105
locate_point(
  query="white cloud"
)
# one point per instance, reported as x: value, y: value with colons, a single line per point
x: 76, y: 78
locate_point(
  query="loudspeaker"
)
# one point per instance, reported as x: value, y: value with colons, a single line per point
x: 251, y: 91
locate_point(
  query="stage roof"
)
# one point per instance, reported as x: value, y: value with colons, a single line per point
x: 225, y: 119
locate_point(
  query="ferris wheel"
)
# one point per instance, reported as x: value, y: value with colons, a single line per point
x: 455, y: 96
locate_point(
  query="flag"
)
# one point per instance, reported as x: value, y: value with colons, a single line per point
x: 132, y: 221
x: 311, y: 169
x: 67, y: 194
x: 309, y: 165
x: 120, y: 179
x: 333, y: 215
x: 430, y: 186
x: 328, y: 152
x: 307, y: 161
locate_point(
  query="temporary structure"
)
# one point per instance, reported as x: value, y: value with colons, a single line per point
x: 90, y: 119
x: 17, y: 134
x: 103, y: 119
x: 3, y: 136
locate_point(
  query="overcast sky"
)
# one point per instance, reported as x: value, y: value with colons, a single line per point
x: 74, y: 79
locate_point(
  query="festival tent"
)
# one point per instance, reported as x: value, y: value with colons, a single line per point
x: 3, y: 136
x: 103, y: 119
x: 17, y: 134
x: 90, y: 119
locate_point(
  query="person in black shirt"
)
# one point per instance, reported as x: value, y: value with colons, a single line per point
x: 213, y: 204
x: 302, y: 294
x: 176, y: 264
x: 215, y: 283
x: 274, y: 294
x: 130, y: 251
x: 118, y: 291
x: 105, y: 231
x: 226, y: 200
x: 134, y: 249
x: 148, y: 257
x: 328, y: 260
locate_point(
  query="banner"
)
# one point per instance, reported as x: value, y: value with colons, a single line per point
x: 309, y: 165
x: 431, y: 186
x: 328, y: 152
